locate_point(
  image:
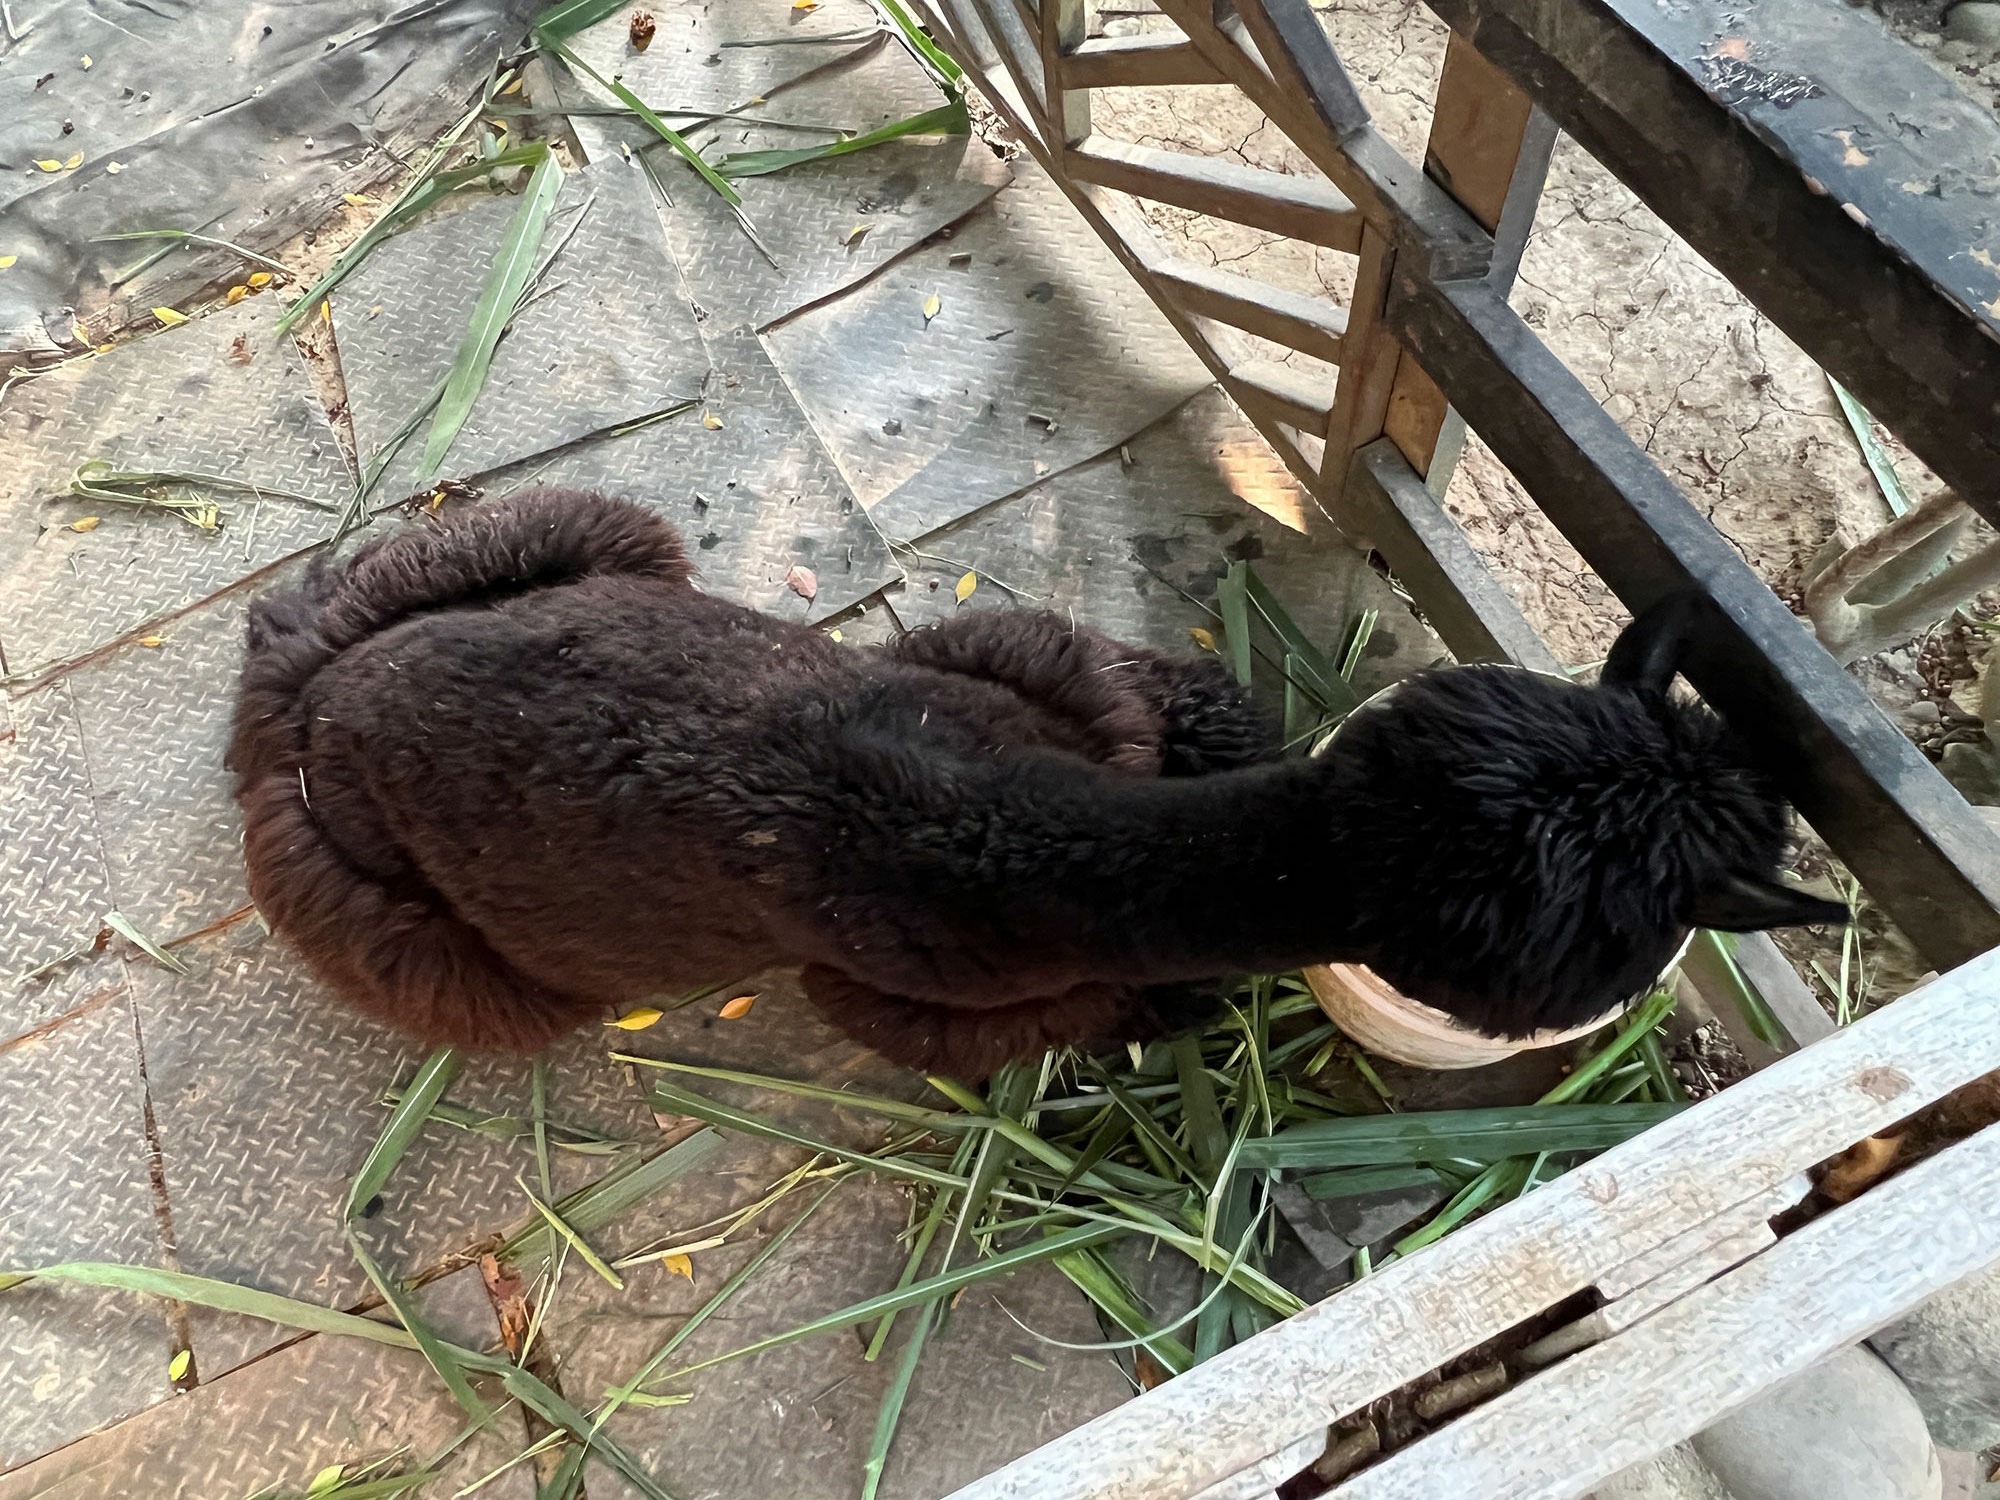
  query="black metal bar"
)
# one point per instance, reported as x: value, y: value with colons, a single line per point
x: 1387, y: 506
x: 1858, y: 227
x: 1919, y: 850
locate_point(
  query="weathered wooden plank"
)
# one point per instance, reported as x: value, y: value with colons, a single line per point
x: 1618, y: 1403
x: 1410, y: 1317
x: 1293, y: 397
x: 1302, y: 208
x: 1302, y: 62
x: 1061, y: 30
x: 1151, y: 59
x: 1368, y: 372
x: 1307, y: 324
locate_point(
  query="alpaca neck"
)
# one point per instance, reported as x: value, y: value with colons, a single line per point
x: 1241, y: 871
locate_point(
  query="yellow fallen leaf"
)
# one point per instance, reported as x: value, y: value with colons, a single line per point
x: 86, y: 62
x: 359, y: 200
x: 805, y: 4
x: 86, y: 523
x: 835, y: 635
x: 259, y: 279
x: 854, y: 235
x: 638, y: 1018
x: 179, y: 1368
x: 152, y: 640
x: 965, y: 587
x: 7, y: 260
x: 114, y: 167
x: 738, y: 1008
x: 710, y: 420
x: 75, y: 161
x: 515, y: 86
x: 326, y: 312
x: 48, y: 164
x: 168, y: 316
x: 679, y: 1265
x: 932, y: 304
x: 1202, y: 638
x: 236, y: 294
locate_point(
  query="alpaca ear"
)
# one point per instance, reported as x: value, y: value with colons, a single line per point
x: 1648, y: 652
x: 1741, y: 904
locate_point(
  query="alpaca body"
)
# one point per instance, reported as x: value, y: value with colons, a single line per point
x: 501, y: 774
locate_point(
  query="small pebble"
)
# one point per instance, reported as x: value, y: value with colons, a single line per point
x: 1923, y: 711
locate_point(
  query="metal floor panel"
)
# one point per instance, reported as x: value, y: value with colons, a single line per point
x: 753, y: 497
x: 220, y: 396
x: 1042, y: 354
x: 77, y: 1186
x: 902, y: 191
x: 267, y: 1095
x: 277, y: 1422
x: 1129, y: 548
x: 797, y: 1421
x: 730, y: 57
x: 51, y: 860
x: 611, y: 339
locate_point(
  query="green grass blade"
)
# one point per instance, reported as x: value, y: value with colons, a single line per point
x: 876, y: 1104
x: 565, y: 20
x: 930, y: 1288
x: 681, y: 1101
x: 1666, y: 1083
x: 949, y: 76
x: 891, y: 1410
x: 1655, y: 1009
x: 1763, y: 1023
x: 949, y: 119
x: 553, y: 1409
x: 433, y: 1077
x: 1872, y: 451
x: 659, y: 126
x: 1357, y: 642
x: 737, y: 1281
x: 442, y: 1358
x: 203, y: 1291
x: 539, y: 1103
x: 1442, y: 1135
x: 120, y: 924
x: 1233, y: 604
x: 1206, y: 1138
x: 1502, y: 1180
x: 1097, y: 1280
x: 505, y: 283
x: 1348, y: 1182
x: 576, y: 1241
x: 926, y: 1233
x: 613, y: 1195
x: 1320, y: 679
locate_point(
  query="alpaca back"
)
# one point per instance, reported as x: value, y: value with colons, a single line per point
x: 353, y: 904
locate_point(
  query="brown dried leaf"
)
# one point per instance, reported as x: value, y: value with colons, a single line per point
x: 1859, y: 1166
x: 803, y: 582
x: 86, y: 523
x: 738, y: 1008
x: 641, y: 30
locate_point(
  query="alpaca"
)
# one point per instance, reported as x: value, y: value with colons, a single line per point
x: 503, y: 772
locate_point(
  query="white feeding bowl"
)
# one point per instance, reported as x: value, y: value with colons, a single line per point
x: 1380, y: 1018
x: 1384, y: 1021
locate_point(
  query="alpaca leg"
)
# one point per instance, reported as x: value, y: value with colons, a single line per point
x: 970, y: 1044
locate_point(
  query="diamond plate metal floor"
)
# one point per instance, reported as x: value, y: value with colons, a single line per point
x: 221, y: 395
x: 611, y: 339
x: 1042, y: 353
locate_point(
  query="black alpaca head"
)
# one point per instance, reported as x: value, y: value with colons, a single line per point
x: 1549, y: 845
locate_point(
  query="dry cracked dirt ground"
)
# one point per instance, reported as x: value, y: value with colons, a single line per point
x: 1743, y: 420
